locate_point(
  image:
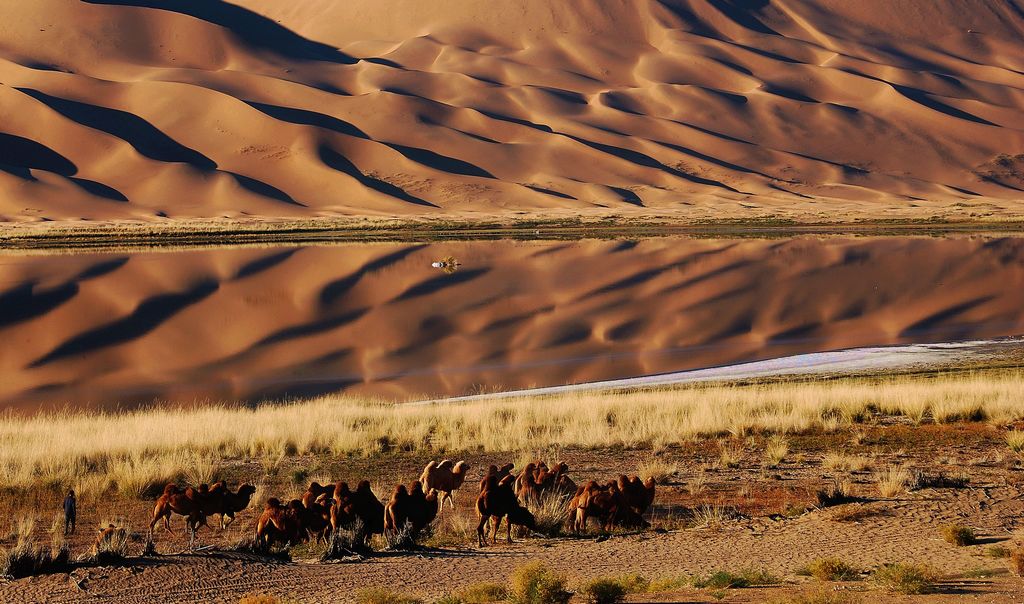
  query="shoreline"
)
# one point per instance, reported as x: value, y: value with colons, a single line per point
x: 852, y: 363
x: 212, y: 233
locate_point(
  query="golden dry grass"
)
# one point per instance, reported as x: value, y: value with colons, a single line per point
x: 133, y: 451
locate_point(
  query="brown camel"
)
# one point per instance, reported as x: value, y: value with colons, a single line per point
x: 497, y: 501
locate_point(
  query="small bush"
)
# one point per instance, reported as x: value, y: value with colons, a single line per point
x: 924, y: 480
x: 260, y: 599
x: 657, y: 469
x: 954, y: 534
x: 1017, y: 561
x: 998, y: 551
x: 534, y: 583
x: 837, y: 493
x: 299, y: 476
x: 479, y: 593
x: 603, y: 591
x: 821, y: 597
x: 378, y: 595
x: 905, y: 578
x: 635, y: 584
x: 726, y: 580
x: 831, y: 569
x: 550, y: 513
x: 344, y: 543
x: 852, y: 512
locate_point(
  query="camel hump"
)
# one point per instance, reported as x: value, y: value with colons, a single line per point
x: 445, y: 464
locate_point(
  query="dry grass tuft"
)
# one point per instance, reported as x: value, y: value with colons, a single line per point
x: 894, y: 481
x: 729, y: 454
x: 1015, y: 440
x: 711, y: 516
x: 776, y: 451
x: 657, y: 469
x: 849, y: 463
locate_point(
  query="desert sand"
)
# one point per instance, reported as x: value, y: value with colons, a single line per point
x: 815, y: 111
x: 101, y: 329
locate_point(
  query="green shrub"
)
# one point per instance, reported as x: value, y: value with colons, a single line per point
x: 726, y: 580
x: 534, y: 583
x: 998, y: 551
x: 821, y: 597
x: 635, y: 584
x: 955, y: 534
x: 831, y: 569
x: 478, y: 593
x: 905, y: 578
x: 378, y: 595
x: 603, y: 591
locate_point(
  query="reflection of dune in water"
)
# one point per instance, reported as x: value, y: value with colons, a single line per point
x: 377, y: 319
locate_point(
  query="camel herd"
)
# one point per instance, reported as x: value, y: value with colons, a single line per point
x: 504, y: 496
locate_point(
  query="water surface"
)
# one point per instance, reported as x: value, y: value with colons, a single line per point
x: 243, y: 324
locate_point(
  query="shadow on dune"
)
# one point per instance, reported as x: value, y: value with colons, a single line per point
x: 426, y: 157
x: 252, y: 28
x: 146, y: 317
x: 146, y: 138
x: 18, y: 155
x: 339, y: 162
x: 263, y: 189
x: 304, y: 117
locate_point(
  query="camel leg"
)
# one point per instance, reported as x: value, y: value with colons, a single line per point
x: 481, y: 533
x: 495, y: 524
x: 508, y: 530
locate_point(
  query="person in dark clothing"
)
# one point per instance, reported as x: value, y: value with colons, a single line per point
x: 70, y: 511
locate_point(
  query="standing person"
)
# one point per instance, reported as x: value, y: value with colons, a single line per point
x: 70, y: 511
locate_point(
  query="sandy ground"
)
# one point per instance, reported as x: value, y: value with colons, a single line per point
x: 767, y: 531
x: 377, y: 319
x: 822, y: 110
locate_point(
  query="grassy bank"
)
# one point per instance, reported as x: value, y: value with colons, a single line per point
x: 210, y: 232
x: 133, y: 451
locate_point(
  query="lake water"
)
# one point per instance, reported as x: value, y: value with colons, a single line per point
x: 243, y: 324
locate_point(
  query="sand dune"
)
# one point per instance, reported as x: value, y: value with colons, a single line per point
x: 823, y: 110
x: 242, y: 324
